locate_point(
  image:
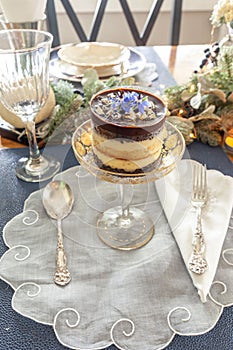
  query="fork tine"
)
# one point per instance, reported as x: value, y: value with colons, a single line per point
x: 203, y: 182
x: 195, y: 180
x: 199, y: 181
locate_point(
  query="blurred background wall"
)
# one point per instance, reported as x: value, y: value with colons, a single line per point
x: 195, y: 24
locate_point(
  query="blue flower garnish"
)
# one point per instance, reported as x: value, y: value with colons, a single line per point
x: 144, y: 103
x: 130, y: 101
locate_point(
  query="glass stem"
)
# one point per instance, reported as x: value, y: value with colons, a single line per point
x: 126, y: 193
x: 33, y: 146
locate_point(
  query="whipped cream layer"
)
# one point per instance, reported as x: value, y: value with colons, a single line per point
x: 125, y: 148
x: 124, y: 154
x: 128, y: 166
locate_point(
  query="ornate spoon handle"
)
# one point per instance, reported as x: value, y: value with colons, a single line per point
x: 62, y: 275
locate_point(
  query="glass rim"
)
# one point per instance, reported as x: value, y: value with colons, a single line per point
x: 47, y: 35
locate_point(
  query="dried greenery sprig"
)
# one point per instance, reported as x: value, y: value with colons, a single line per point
x: 67, y: 103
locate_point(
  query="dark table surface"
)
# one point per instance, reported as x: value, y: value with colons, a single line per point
x: 20, y: 333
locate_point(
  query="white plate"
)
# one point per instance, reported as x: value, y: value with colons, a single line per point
x: 62, y: 70
x: 94, y: 54
x: 103, y: 72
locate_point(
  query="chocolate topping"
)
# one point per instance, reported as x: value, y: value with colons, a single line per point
x: 128, y: 128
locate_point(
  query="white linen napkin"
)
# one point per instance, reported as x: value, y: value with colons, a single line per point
x: 175, y: 191
x: 148, y: 74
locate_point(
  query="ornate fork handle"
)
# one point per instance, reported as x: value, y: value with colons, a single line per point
x: 197, y: 261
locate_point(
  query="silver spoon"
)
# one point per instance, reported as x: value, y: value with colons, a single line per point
x: 58, y: 201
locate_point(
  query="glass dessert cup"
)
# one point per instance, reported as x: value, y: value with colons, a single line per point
x: 24, y: 89
x: 126, y: 227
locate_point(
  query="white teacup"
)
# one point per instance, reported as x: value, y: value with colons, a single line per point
x: 23, y: 10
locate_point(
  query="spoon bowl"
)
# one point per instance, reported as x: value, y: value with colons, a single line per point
x: 58, y: 201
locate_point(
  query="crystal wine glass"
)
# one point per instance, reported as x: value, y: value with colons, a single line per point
x: 24, y: 88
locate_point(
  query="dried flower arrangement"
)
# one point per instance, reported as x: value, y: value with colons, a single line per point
x: 222, y: 13
x: 212, y: 88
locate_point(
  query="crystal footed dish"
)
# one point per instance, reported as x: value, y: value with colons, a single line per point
x: 127, y: 227
x: 172, y: 151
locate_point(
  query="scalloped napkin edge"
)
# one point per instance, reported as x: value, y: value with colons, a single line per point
x: 174, y: 191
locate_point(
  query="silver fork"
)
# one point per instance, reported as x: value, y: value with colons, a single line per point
x: 197, y: 262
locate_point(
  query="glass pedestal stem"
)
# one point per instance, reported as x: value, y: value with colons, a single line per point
x: 32, y: 142
x: 35, y: 168
x: 126, y: 195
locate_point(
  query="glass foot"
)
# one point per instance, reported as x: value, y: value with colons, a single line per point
x: 43, y: 170
x: 125, y: 232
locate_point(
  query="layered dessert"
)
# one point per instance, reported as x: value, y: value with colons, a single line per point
x: 127, y: 129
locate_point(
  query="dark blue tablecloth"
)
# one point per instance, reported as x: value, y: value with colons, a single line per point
x: 20, y: 333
